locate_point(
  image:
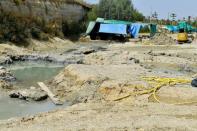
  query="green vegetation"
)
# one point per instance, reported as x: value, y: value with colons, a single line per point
x: 115, y: 9
x: 93, y: 14
x: 74, y: 29
x: 18, y: 28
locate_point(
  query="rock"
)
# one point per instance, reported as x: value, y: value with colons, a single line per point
x: 85, y: 51
x: 194, y: 83
x: 5, y: 60
x: 29, y: 94
x: 6, y: 75
x: 136, y: 61
x: 5, y: 85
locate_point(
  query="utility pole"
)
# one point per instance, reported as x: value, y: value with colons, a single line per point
x: 155, y: 16
x: 173, y: 16
x: 168, y: 15
x: 189, y: 19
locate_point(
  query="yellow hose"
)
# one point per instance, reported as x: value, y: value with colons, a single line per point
x: 156, y: 84
x: 161, y: 82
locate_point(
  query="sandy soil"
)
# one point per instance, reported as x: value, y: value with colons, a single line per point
x: 105, y: 76
x: 111, y: 116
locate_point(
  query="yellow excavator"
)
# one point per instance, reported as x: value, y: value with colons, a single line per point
x: 182, y: 36
x: 183, y: 30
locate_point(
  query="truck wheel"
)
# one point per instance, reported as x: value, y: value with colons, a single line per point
x: 93, y: 37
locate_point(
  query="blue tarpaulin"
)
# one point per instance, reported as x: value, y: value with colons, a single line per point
x: 172, y: 28
x: 113, y: 28
x: 135, y: 29
x: 153, y: 29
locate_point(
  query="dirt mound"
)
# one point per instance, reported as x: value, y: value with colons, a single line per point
x: 82, y: 83
x: 161, y: 39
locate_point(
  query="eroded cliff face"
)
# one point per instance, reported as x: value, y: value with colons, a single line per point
x: 49, y: 10
x: 40, y: 19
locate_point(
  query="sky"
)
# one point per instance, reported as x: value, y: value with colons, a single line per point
x: 183, y: 8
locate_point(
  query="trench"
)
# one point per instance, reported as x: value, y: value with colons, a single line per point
x: 27, y: 75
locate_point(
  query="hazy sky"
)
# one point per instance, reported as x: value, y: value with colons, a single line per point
x: 182, y: 8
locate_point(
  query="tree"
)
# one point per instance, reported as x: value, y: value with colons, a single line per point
x: 117, y: 9
x: 92, y: 15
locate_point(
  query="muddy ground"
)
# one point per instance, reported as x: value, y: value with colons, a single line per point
x: 118, y: 86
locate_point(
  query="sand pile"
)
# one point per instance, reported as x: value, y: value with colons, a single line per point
x: 161, y: 39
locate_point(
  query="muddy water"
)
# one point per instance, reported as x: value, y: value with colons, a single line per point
x: 28, y: 74
x: 17, y: 108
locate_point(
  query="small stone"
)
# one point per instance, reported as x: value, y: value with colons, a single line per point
x: 87, y: 52
x: 29, y: 94
x: 32, y: 88
x: 14, y: 95
x: 137, y: 61
x: 163, y: 54
x: 6, y: 75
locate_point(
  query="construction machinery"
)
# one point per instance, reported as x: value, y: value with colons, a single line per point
x: 183, y: 30
x: 182, y: 36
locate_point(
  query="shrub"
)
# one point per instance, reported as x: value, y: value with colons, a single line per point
x: 73, y: 29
